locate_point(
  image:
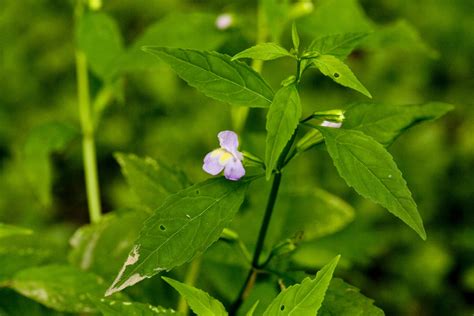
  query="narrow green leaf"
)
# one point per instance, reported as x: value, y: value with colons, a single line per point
x: 338, y: 45
x: 217, y: 76
x: 185, y: 225
x: 304, y: 298
x: 63, y: 288
x: 99, y: 37
x: 113, y: 308
x: 151, y: 180
x: 343, y: 299
x: 42, y: 141
x: 339, y: 72
x: 265, y: 51
x: 252, y: 309
x: 10, y: 230
x: 385, y: 123
x: 295, y: 37
x: 282, y: 120
x: 369, y: 168
x: 199, y: 301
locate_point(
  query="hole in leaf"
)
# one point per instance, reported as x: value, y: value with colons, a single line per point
x: 282, y: 307
x: 197, y: 192
x: 162, y: 227
x: 336, y: 75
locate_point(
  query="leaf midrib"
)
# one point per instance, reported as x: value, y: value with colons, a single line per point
x: 220, y: 77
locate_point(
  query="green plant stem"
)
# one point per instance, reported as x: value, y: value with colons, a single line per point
x: 190, y: 279
x: 240, y: 114
x: 87, y: 127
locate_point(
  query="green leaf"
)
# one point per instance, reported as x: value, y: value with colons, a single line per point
x: 304, y: 298
x: 199, y: 301
x: 313, y: 211
x: 102, y: 247
x: 185, y: 225
x: 282, y: 120
x: 18, y: 252
x: 252, y: 309
x: 385, y: 123
x: 198, y: 32
x: 99, y: 37
x: 42, y: 141
x: 151, y: 180
x: 265, y: 51
x: 399, y: 36
x: 343, y: 299
x: 338, y: 45
x: 366, y: 166
x: 217, y: 76
x: 113, y: 308
x: 339, y: 72
x: 336, y: 16
x: 295, y: 37
x: 63, y: 288
x: 10, y: 230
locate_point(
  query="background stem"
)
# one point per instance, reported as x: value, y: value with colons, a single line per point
x: 87, y: 127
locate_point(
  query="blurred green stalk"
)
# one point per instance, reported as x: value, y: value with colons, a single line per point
x: 87, y: 127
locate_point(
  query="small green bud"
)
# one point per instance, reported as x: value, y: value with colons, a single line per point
x: 229, y: 234
x: 286, y: 82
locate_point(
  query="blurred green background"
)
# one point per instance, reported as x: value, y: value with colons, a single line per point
x: 420, y: 51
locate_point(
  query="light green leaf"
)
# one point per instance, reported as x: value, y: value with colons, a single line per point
x: 252, y: 309
x: 338, y: 45
x: 113, y: 308
x: 264, y: 51
x: 185, y: 225
x: 282, y: 120
x: 194, y: 30
x: 63, y: 288
x: 199, y: 301
x: 304, y: 298
x: 216, y: 76
x: 339, y: 72
x: 385, y: 123
x: 367, y: 167
x: 99, y: 37
x: 10, y: 230
x: 102, y: 247
x: 343, y: 299
x: 42, y: 141
x: 151, y: 180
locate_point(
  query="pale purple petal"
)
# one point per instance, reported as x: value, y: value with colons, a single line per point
x: 234, y: 170
x: 229, y: 141
x: 331, y: 124
x: 211, y: 163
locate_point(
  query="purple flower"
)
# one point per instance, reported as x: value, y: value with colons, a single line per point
x: 226, y: 158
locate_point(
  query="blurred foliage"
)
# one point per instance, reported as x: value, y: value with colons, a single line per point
x: 150, y: 112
